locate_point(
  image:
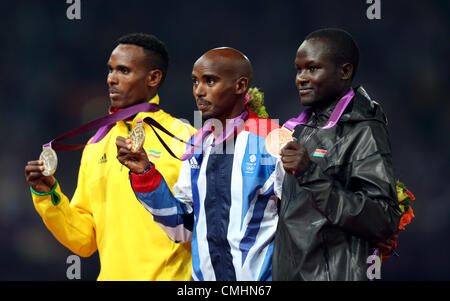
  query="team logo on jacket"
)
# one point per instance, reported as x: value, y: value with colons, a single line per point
x: 194, y: 163
x: 320, y: 153
x: 102, y: 159
x: 249, y: 164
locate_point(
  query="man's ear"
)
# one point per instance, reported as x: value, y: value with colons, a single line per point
x: 154, y: 78
x: 241, y: 85
x: 346, y: 71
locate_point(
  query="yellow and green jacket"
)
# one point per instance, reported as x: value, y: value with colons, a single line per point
x: 105, y: 215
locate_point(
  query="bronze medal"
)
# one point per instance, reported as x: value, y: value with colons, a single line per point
x: 277, y: 139
x: 137, y: 137
x: 50, y: 159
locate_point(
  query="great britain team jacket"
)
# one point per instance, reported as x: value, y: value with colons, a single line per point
x: 224, y: 202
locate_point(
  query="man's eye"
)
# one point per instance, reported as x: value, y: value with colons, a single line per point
x: 210, y: 81
x: 125, y: 70
x: 194, y: 81
x: 313, y: 68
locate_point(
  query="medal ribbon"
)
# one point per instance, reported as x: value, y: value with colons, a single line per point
x: 303, y: 118
x: 104, y: 124
x: 230, y: 127
x: 200, y: 135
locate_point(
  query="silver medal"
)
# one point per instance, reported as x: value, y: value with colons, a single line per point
x: 137, y: 137
x: 50, y: 159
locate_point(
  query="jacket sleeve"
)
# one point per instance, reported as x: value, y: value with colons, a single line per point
x: 71, y: 222
x: 173, y: 213
x: 363, y: 201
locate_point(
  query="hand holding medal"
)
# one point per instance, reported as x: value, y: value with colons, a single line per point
x: 130, y: 152
x: 49, y: 159
x: 136, y: 161
x: 36, y: 176
x: 280, y: 143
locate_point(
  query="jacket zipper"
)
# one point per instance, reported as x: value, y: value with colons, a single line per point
x: 309, y: 136
x: 129, y: 130
x: 326, y: 257
x: 312, y: 130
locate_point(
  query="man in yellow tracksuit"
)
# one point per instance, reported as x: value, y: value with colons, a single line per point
x: 103, y: 214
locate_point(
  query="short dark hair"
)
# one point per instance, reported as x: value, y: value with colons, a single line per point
x: 157, y: 54
x: 342, y: 46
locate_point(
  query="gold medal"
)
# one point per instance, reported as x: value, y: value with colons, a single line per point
x: 50, y: 159
x: 137, y: 137
x: 277, y: 139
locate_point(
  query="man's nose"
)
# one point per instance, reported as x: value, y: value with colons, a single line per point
x: 199, y: 90
x: 301, y: 78
x: 111, y: 79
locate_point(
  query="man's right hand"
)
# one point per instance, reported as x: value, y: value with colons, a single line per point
x: 35, y: 178
x: 137, y: 162
x: 295, y: 158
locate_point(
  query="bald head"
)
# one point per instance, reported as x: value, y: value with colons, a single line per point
x: 221, y: 78
x: 230, y: 61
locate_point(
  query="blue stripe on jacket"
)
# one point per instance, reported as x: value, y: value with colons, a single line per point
x: 217, y: 208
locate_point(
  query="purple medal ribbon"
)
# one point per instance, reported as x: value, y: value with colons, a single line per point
x: 303, y: 118
x: 104, y: 124
x: 202, y: 133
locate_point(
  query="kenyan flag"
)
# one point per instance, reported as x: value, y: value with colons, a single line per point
x: 319, y: 152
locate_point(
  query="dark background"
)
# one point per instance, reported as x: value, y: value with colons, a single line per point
x: 53, y: 79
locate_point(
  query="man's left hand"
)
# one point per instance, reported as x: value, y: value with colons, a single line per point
x: 387, y: 247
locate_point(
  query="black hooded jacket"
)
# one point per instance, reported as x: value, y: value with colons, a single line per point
x: 343, y: 202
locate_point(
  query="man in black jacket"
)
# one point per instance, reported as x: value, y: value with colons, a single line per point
x: 339, y: 198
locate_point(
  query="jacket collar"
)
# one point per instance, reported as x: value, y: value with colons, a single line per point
x: 362, y: 107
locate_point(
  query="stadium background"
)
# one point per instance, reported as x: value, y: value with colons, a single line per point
x: 53, y: 79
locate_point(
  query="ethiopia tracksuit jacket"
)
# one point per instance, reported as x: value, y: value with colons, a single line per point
x: 104, y: 214
x: 225, y: 203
